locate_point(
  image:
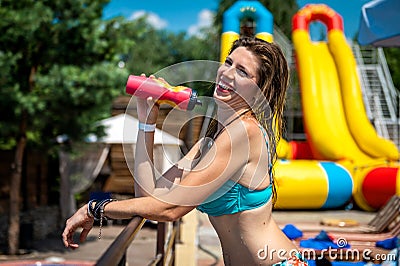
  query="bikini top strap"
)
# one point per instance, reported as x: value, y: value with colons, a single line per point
x: 269, y: 154
x: 230, y: 122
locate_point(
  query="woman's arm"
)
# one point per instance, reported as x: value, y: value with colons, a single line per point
x: 146, y: 185
x: 225, y: 160
x: 143, y: 165
x: 147, y: 111
x: 179, y: 170
x: 144, y: 173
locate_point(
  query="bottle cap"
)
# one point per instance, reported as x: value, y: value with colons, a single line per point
x: 193, y: 101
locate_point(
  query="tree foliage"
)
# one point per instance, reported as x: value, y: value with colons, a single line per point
x: 58, y: 76
x: 157, y: 49
x: 59, y: 66
x: 58, y: 62
x: 393, y: 60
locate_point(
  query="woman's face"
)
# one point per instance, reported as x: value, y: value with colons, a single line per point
x: 237, y: 79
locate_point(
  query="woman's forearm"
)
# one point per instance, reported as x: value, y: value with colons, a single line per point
x: 144, y: 164
x: 146, y: 207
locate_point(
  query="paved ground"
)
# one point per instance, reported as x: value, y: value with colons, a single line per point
x: 51, y: 251
x: 142, y: 250
x: 209, y: 252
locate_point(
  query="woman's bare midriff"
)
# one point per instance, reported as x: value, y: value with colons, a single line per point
x: 252, y: 238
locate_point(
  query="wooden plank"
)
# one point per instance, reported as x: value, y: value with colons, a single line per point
x: 119, y: 184
x: 186, y: 248
x: 122, y: 172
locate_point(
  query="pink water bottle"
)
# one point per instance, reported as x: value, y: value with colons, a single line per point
x: 183, y: 97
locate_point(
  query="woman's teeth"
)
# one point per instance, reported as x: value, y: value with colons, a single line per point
x: 225, y: 87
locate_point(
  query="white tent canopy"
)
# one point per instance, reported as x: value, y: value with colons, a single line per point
x: 123, y: 128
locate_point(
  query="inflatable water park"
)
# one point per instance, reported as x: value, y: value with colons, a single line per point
x: 343, y: 158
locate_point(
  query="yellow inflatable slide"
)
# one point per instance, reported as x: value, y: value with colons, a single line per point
x: 335, y: 119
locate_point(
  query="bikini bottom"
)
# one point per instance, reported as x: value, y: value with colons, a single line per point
x: 296, y: 260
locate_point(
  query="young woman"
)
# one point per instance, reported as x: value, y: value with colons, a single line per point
x: 227, y: 174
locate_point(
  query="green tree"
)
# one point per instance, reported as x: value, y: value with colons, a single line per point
x: 58, y: 75
x: 393, y: 60
x: 283, y: 12
x: 157, y: 49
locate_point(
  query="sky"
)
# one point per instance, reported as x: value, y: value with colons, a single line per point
x: 190, y: 16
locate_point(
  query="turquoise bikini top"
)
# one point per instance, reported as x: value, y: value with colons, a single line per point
x: 233, y: 197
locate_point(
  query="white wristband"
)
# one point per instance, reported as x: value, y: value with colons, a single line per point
x: 147, y: 127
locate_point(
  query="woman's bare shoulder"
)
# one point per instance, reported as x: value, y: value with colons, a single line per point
x: 253, y: 128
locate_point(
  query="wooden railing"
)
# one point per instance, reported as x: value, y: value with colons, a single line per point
x: 115, y: 255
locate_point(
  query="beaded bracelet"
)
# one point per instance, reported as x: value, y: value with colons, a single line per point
x: 97, y: 211
x: 89, y: 209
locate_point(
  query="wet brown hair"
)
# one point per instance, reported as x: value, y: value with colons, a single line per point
x: 273, y: 80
